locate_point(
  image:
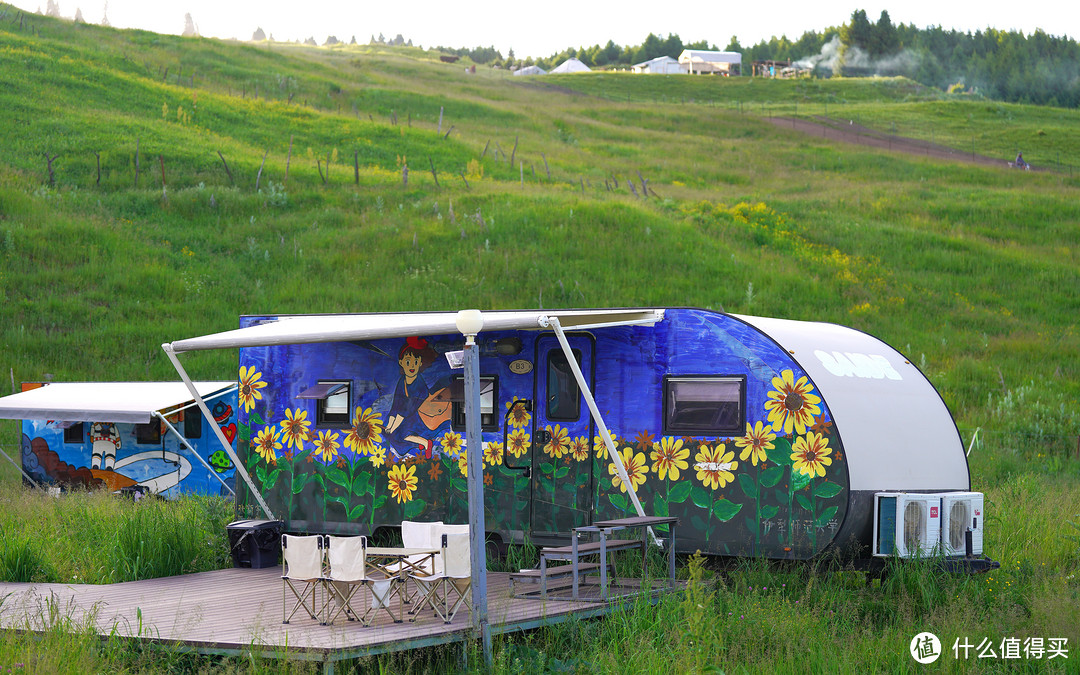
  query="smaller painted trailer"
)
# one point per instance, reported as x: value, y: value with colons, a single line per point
x: 125, y: 436
x: 766, y: 437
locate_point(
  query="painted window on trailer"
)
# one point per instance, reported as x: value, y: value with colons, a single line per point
x: 488, y: 389
x: 563, y: 394
x: 704, y: 405
x: 74, y: 433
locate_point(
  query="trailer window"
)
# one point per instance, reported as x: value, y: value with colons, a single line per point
x: 705, y: 406
x: 149, y: 433
x: 488, y: 390
x: 192, y: 423
x: 332, y: 399
x: 563, y: 394
x: 74, y: 433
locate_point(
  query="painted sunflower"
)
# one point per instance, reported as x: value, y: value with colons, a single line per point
x: 792, y: 405
x: 636, y: 469
x: 811, y: 454
x: 493, y: 454
x: 327, y: 446
x: 463, y: 463
x: 559, y: 443
x: 714, y: 465
x: 250, y: 384
x: 519, y: 416
x: 403, y: 482
x: 366, y: 431
x: 669, y: 456
x: 600, y: 447
x: 267, y: 443
x: 518, y: 443
x: 757, y: 440
x: 451, y: 444
x: 579, y: 448
x: 377, y: 457
x: 294, y: 429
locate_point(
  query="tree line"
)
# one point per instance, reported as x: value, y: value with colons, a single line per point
x: 1003, y: 65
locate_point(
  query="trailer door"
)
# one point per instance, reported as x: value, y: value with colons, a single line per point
x: 562, y: 439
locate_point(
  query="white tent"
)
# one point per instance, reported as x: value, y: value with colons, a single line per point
x: 571, y: 66
x: 660, y: 65
x: 530, y: 70
x: 701, y: 61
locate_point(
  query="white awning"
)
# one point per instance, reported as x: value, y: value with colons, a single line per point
x: 304, y: 329
x: 124, y: 402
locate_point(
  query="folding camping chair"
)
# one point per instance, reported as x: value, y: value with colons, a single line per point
x: 415, y: 534
x: 346, y: 573
x: 448, y: 589
x: 302, y: 572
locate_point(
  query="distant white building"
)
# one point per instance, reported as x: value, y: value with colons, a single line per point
x: 571, y: 66
x: 700, y: 61
x: 530, y: 70
x: 662, y: 65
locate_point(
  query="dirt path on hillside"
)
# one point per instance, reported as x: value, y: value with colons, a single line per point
x: 849, y: 132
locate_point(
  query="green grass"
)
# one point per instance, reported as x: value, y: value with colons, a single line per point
x: 970, y: 271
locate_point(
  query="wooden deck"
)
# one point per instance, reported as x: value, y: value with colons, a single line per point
x: 235, y: 611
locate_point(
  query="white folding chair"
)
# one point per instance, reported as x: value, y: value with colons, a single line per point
x: 415, y: 534
x: 346, y: 573
x: 302, y: 573
x: 447, y: 590
x: 438, y: 531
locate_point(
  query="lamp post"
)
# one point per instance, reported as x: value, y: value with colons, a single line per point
x: 470, y: 322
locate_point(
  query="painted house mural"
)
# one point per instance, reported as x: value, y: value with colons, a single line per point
x: 129, y: 435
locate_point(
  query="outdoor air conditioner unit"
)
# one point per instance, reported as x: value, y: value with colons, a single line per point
x: 960, y: 512
x: 906, y: 524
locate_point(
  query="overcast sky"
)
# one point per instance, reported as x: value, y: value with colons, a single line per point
x: 544, y: 28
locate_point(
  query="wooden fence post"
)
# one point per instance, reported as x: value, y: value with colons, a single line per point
x: 258, y: 177
x: 433, y: 174
x: 288, y: 159
x: 227, y: 170
x: 164, y: 193
x: 49, y: 165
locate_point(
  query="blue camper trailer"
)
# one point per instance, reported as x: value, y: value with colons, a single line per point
x: 765, y: 437
x: 138, y: 437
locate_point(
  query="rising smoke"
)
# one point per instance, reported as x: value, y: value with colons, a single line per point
x: 840, y: 59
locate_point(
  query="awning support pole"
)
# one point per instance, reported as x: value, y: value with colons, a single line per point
x: 183, y: 442
x: 470, y: 322
x: 601, y: 426
x: 19, y: 467
x: 217, y: 430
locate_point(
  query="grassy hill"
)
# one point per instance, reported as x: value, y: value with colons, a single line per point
x: 525, y: 192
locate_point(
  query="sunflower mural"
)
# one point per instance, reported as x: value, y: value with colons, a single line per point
x: 770, y: 484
